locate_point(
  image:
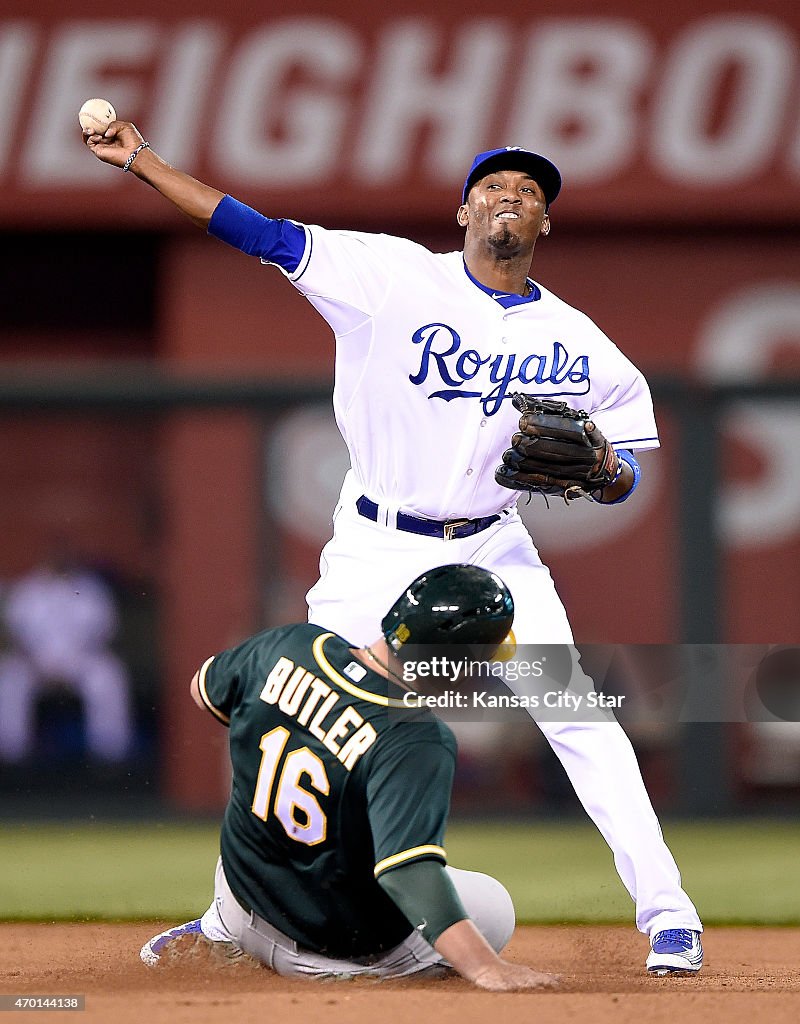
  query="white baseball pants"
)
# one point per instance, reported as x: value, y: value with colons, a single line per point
x: 366, y: 566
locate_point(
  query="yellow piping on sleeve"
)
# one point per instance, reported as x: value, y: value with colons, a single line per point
x: 201, y: 685
x: 400, y: 858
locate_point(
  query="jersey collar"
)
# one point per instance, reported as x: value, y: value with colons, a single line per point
x: 506, y: 299
x: 352, y: 688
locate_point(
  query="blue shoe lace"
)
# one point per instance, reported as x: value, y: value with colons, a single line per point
x: 679, y: 936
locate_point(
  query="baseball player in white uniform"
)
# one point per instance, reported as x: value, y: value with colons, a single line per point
x: 429, y: 350
x: 61, y: 619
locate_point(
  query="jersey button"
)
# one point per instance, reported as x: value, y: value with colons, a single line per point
x: 469, y: 471
x: 483, y: 423
x: 505, y: 341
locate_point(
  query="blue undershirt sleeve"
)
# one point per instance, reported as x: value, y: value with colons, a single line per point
x: 275, y: 241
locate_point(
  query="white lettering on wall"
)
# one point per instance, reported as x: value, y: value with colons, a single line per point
x: 186, y: 77
x: 577, y: 94
x: 406, y: 93
x: 738, y: 343
x: 269, y: 134
x: 17, y: 49
x: 794, y: 148
x: 291, y: 100
x: 684, y: 147
x: 76, y: 68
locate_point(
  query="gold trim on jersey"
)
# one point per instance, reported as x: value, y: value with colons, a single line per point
x: 399, y: 858
x: 201, y: 685
x: 346, y: 685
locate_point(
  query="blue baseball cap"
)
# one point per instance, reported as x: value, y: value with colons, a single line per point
x: 513, y: 158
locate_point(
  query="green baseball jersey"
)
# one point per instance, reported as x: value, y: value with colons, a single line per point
x: 330, y: 787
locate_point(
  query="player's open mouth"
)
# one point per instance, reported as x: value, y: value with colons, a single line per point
x: 507, y: 215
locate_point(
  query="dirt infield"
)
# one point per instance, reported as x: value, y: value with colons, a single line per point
x: 748, y: 973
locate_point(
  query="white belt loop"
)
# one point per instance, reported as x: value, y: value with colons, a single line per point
x: 386, y: 515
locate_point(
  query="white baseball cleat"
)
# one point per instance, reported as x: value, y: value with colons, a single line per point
x: 675, y: 951
x: 152, y: 952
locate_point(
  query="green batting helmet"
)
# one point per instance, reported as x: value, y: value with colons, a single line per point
x: 450, y: 605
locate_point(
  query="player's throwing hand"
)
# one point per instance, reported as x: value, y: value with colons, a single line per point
x: 116, y: 144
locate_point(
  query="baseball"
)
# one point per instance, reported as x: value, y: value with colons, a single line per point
x: 96, y: 115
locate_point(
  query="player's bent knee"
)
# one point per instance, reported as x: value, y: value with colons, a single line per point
x: 488, y: 904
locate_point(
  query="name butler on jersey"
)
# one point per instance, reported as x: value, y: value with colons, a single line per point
x: 312, y: 732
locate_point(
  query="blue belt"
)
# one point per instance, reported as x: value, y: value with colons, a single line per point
x: 449, y: 529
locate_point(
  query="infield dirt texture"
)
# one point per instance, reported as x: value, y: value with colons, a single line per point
x: 751, y: 974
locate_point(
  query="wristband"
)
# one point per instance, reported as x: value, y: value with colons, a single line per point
x: 629, y: 460
x: 127, y: 165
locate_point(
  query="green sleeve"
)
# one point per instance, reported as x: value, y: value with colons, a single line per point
x: 221, y: 678
x: 425, y: 894
x: 408, y: 795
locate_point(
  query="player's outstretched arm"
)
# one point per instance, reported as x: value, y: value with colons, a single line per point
x: 426, y: 895
x: 463, y: 946
x: 121, y: 139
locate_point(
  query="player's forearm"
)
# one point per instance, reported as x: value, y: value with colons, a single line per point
x: 194, y: 690
x: 463, y: 946
x: 190, y: 196
x: 465, y: 949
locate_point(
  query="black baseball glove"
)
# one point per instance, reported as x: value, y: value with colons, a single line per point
x: 558, y: 450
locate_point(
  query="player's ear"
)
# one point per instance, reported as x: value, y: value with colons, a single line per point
x: 462, y: 216
x: 545, y: 228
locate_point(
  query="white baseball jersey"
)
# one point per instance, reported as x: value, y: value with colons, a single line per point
x: 427, y: 362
